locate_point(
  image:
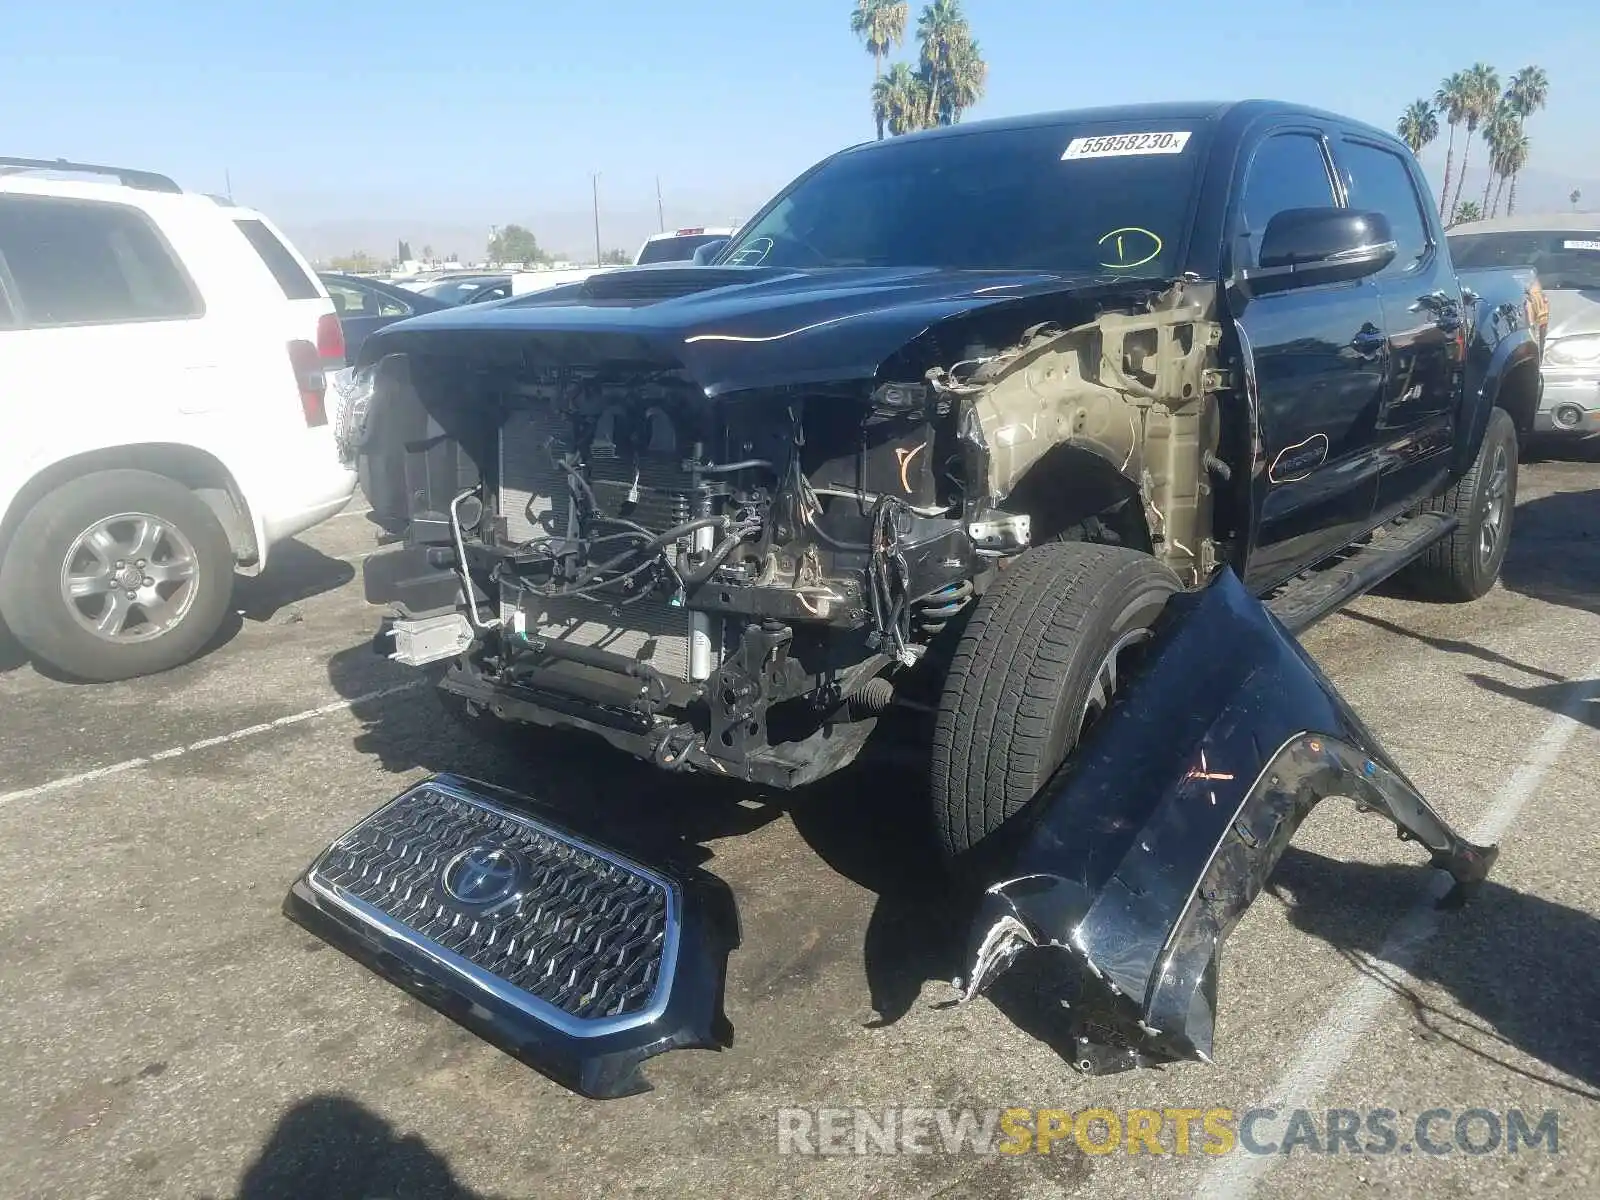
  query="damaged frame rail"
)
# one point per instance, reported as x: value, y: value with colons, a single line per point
x: 1141, y: 855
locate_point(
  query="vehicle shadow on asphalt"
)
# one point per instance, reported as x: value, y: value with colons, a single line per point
x: 1525, y: 969
x: 294, y: 573
x: 1555, y: 550
x: 333, y: 1148
x: 575, y: 774
x: 873, y: 825
x: 12, y: 655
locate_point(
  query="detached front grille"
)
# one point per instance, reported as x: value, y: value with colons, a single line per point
x: 534, y: 501
x: 509, y: 903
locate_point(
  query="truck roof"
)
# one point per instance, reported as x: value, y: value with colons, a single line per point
x: 1176, y: 110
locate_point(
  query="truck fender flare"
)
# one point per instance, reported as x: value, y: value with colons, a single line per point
x: 1516, y: 350
x: 1137, y: 860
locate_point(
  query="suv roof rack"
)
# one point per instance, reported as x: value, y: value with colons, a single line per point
x: 147, y: 181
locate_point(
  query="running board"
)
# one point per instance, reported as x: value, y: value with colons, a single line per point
x: 1312, y: 595
x: 568, y: 955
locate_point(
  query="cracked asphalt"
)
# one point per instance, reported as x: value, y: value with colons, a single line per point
x: 167, y: 1033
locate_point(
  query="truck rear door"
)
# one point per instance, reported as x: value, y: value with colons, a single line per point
x: 1319, y: 359
x: 1415, y: 425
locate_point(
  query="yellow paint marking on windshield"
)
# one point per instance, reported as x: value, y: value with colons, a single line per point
x: 1131, y: 240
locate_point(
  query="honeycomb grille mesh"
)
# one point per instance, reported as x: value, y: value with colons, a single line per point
x: 587, y: 935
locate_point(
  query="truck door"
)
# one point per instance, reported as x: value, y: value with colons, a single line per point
x: 1423, y: 318
x: 1319, y: 359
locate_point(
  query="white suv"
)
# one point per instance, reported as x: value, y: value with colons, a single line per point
x: 162, y: 361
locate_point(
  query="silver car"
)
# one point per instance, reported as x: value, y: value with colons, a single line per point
x: 1565, y: 250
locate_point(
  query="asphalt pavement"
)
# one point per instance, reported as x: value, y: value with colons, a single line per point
x: 167, y: 1032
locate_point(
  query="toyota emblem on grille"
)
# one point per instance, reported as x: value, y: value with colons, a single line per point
x: 483, y: 875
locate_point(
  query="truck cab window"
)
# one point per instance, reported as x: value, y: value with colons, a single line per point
x: 1378, y: 181
x: 1289, y: 171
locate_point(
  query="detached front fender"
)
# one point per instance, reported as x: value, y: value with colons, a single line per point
x: 1142, y: 853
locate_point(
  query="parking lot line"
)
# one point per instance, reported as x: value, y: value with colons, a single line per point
x: 1331, y: 1041
x: 131, y: 764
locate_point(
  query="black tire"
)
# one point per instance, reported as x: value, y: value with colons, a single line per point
x: 1459, y: 568
x: 42, y: 619
x: 1022, y: 676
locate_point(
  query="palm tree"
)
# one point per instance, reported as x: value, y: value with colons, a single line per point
x: 1513, y: 157
x: 1483, y: 94
x: 899, y: 100
x: 1418, y: 125
x: 1451, y: 99
x: 1574, y: 197
x: 1526, y: 95
x: 1499, y: 131
x: 1528, y: 91
x: 881, y: 26
x: 952, y: 70
x: 1467, y: 210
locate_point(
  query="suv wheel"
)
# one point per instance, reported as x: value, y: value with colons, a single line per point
x: 116, y: 574
x: 1037, y: 664
x: 1465, y: 565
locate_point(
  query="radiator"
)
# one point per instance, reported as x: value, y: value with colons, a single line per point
x: 534, y: 502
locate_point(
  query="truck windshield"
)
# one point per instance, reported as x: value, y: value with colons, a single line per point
x: 1566, y: 259
x: 1079, y: 200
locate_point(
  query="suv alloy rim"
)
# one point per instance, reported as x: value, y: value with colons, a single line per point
x: 130, y: 577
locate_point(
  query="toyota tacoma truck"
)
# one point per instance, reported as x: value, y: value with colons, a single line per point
x: 1017, y: 444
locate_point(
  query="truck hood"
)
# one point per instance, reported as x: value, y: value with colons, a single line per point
x: 734, y: 328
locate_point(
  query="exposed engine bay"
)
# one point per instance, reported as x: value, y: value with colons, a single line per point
x: 745, y: 583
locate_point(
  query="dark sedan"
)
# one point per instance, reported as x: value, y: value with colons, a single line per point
x: 366, y: 305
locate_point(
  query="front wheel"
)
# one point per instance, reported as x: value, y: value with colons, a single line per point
x: 117, y: 574
x: 1465, y: 565
x: 1038, y: 663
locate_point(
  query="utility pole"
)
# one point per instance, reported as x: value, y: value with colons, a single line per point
x: 661, y: 211
x: 594, y: 180
x: 227, y: 180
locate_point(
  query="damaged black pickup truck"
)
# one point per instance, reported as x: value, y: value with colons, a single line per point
x: 989, y: 441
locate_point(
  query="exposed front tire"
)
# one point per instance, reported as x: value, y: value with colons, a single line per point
x: 115, y: 575
x: 1037, y: 663
x: 1465, y: 565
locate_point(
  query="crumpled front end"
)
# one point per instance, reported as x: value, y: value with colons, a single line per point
x: 1140, y: 856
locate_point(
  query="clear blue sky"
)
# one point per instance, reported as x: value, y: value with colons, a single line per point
x: 471, y: 109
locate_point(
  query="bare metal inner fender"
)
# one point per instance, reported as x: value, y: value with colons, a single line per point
x: 1136, y: 389
x: 1140, y: 856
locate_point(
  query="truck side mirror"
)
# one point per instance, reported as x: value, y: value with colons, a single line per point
x: 1303, y: 247
x: 709, y: 251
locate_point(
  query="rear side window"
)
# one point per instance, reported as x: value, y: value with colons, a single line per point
x: 1379, y: 182
x: 676, y: 249
x: 1289, y: 171
x: 291, y: 276
x: 76, y: 262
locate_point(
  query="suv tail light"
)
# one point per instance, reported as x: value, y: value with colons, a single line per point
x: 309, y: 378
x: 330, y: 338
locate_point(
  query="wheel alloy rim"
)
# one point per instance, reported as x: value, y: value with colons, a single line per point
x: 130, y: 578
x: 1103, y: 687
x: 1494, y: 505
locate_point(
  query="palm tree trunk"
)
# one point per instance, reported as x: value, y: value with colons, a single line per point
x: 1499, y: 190
x: 1449, y: 158
x: 1488, y: 185
x: 1466, y: 153
x: 1511, y: 200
